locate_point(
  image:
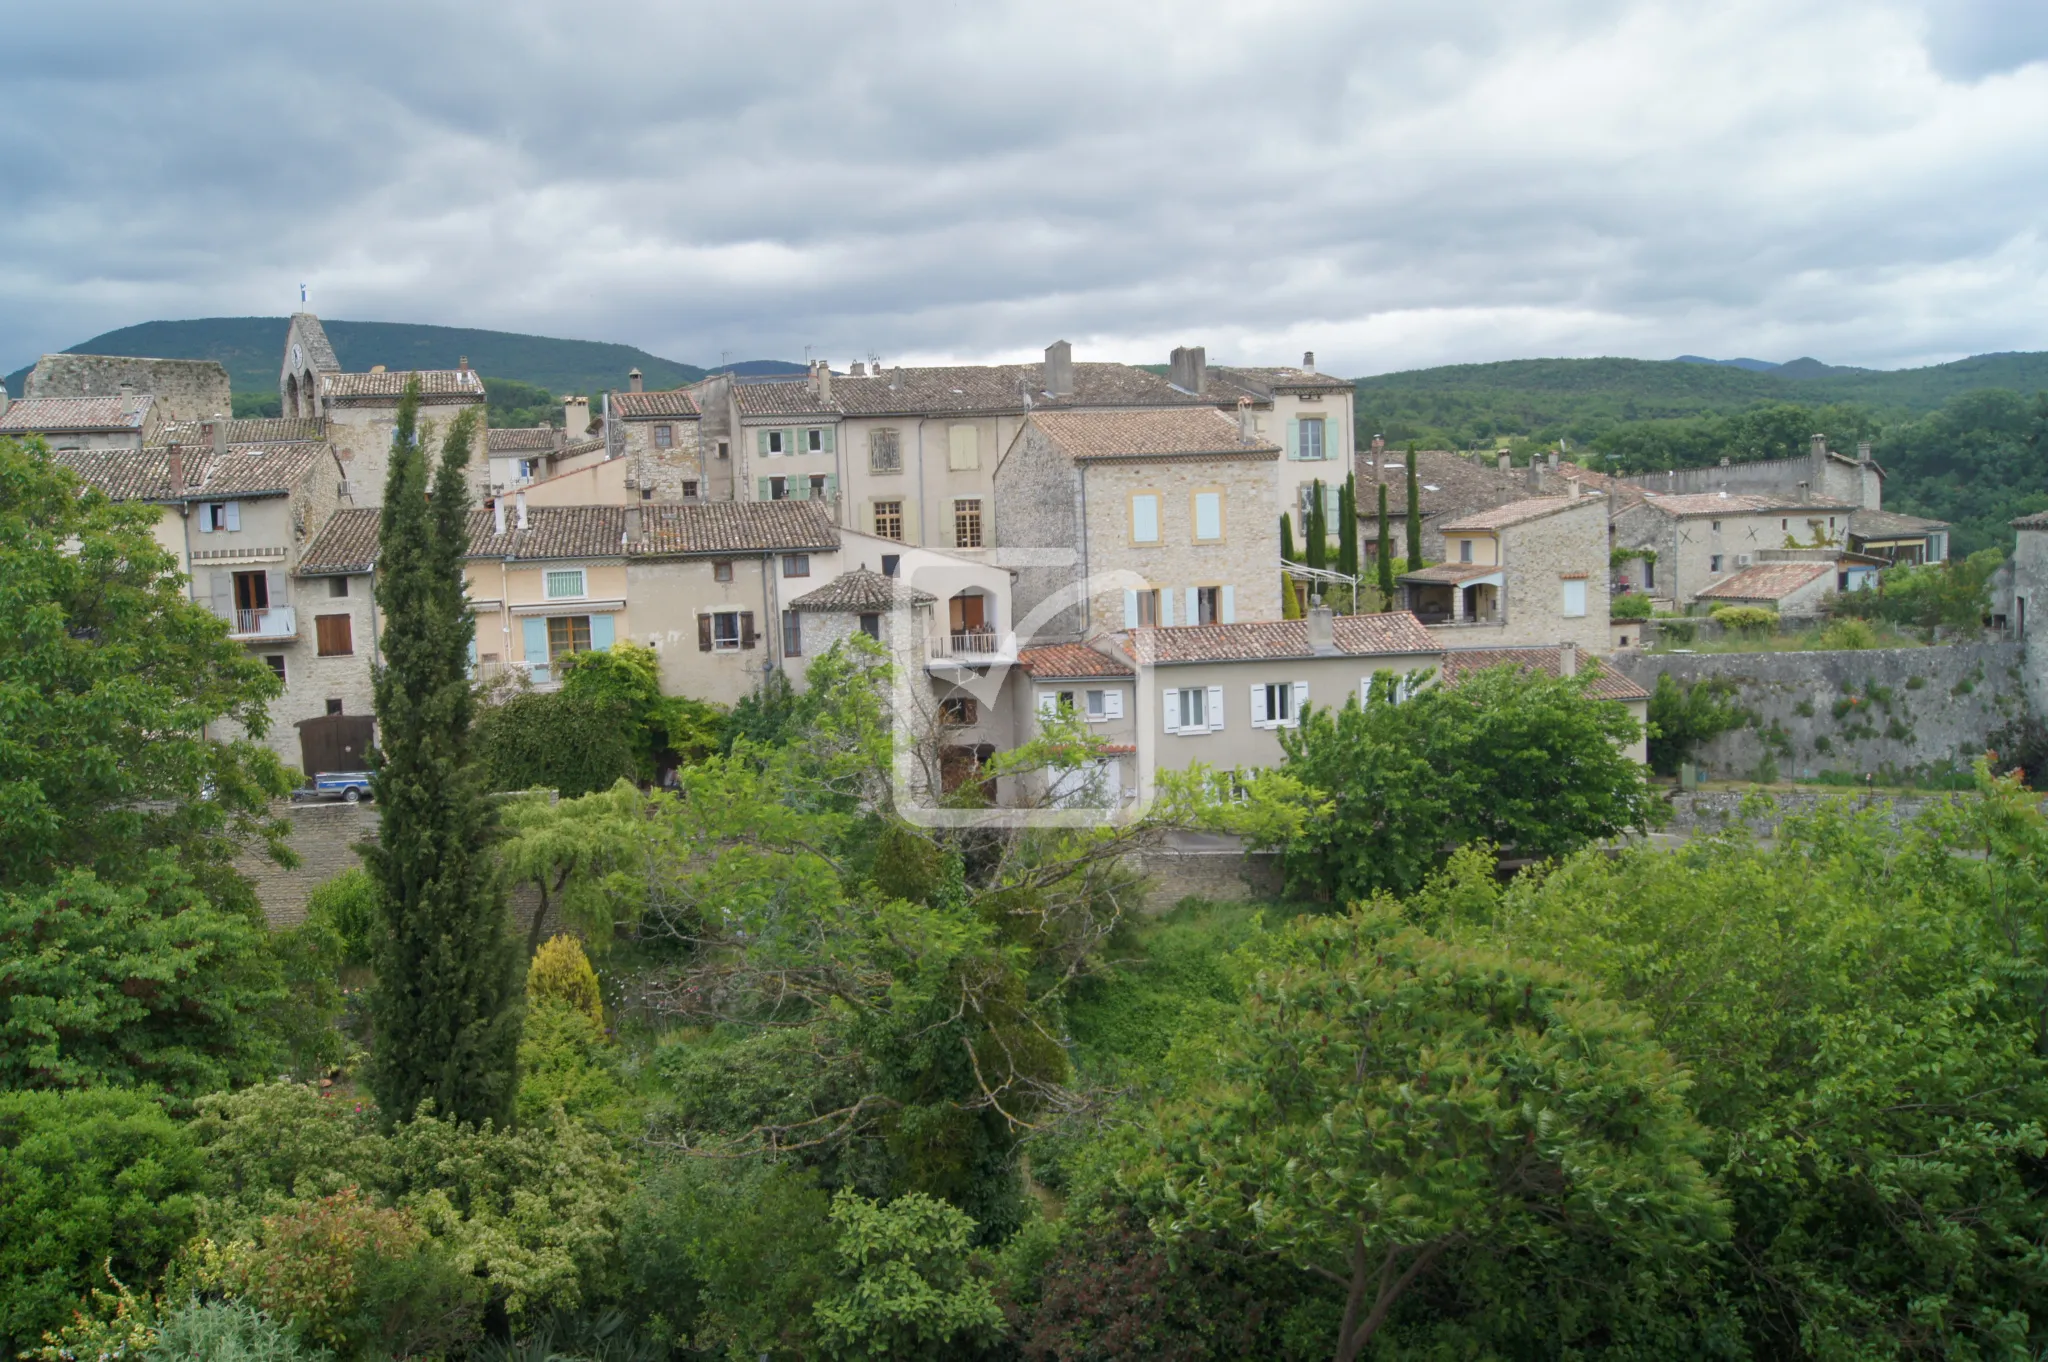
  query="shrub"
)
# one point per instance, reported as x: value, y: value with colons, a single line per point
x: 1686, y: 716
x: 904, y: 1289
x: 562, y: 972
x: 1677, y: 630
x: 1751, y: 621
x: 226, y: 1331
x: 556, y: 740
x: 348, y: 904
x: 564, y: 1061
x: 91, y: 1182
x: 1848, y: 634
x: 1916, y: 683
x: 1633, y: 606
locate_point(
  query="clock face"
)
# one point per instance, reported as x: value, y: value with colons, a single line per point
x: 297, y: 360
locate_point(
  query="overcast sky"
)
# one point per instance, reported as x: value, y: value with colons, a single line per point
x: 1390, y: 184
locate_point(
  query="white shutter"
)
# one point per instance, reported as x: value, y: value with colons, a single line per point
x: 1048, y: 703
x: 205, y: 519
x: 274, y: 588
x: 1171, y: 700
x: 1166, y: 606
x: 1300, y: 699
x: 1194, y: 614
x: 234, y: 515
x: 1112, y: 704
x: 1258, y: 705
x: 1215, y: 708
x: 1230, y: 605
x: 1130, y: 610
x: 1293, y: 438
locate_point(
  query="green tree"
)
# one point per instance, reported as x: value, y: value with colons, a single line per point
x: 1414, y: 514
x: 447, y: 998
x: 552, y: 740
x: 1686, y: 715
x: 1951, y: 595
x: 89, y: 1182
x: 1529, y: 763
x: 1316, y: 530
x: 903, y: 1286
x: 1384, y: 560
x: 666, y: 729
x: 1290, y: 604
x: 1383, y: 1099
x: 1347, y: 527
x: 110, y: 680
x: 585, y: 857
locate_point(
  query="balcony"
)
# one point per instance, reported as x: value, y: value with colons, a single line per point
x: 272, y: 624
x: 970, y: 648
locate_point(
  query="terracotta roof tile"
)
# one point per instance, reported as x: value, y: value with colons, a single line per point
x: 523, y: 438
x: 1355, y: 636
x: 964, y: 389
x: 1451, y: 573
x: 347, y: 543
x: 1199, y: 432
x: 551, y: 532
x: 1766, y: 582
x: 1687, y: 504
x: 862, y: 591
x: 1887, y: 524
x: 2037, y: 521
x: 736, y: 527
x: 50, y: 415
x: 436, y: 386
x: 254, y: 430
x: 1262, y: 383
x: 1516, y: 513
x: 244, y: 471
x: 1607, y: 684
x: 672, y: 403
x: 1071, y: 662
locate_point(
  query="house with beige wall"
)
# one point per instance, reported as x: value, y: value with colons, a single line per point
x: 1700, y: 538
x: 1529, y: 572
x: 1157, y: 518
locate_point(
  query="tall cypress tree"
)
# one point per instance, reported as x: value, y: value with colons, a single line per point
x: 447, y: 1001
x: 1290, y: 604
x: 1316, y: 553
x: 1386, y: 555
x: 1414, y: 515
x: 1347, y: 527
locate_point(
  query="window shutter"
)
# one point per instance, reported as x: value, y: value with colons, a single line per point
x: 1172, y: 706
x: 1293, y: 437
x: 1215, y: 708
x: 601, y: 632
x: 274, y: 588
x: 206, y: 519
x: 747, y: 638
x: 764, y: 491
x: 1194, y: 614
x: 1364, y: 690
x: 1112, y: 704
x: 1258, y: 706
x: 703, y: 633
x: 760, y: 442
x: 234, y: 515
x: 1048, y: 703
x: 799, y: 489
x: 1130, y: 609
x: 831, y: 481
x: 1165, y: 606
x: 831, y: 446
x: 224, y: 595
x: 1300, y: 700
x: 789, y: 441
x: 535, y: 630
x: 1230, y: 605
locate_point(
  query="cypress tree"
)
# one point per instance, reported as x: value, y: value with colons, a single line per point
x: 1386, y: 555
x: 1287, y: 539
x: 1290, y: 605
x: 446, y: 1006
x: 1317, y: 550
x: 1414, y: 515
x: 1347, y: 527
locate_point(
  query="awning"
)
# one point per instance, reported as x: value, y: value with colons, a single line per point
x: 570, y: 608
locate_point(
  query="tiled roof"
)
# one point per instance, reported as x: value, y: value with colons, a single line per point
x: 1070, y: 662
x: 1516, y: 513
x: 41, y: 415
x: 436, y: 386
x: 736, y: 527
x: 1888, y: 524
x: 551, y: 532
x: 639, y: 406
x: 1450, y: 573
x: 347, y: 543
x: 862, y: 591
x: 1620, y: 493
x: 1354, y: 635
x: 964, y: 389
x: 1263, y: 383
x: 1766, y: 582
x: 1735, y: 503
x: 785, y: 397
x: 144, y: 475
x: 1199, y: 432
x: 1607, y: 684
x: 523, y: 438
x: 1450, y: 483
x: 255, y: 430
x: 2037, y: 521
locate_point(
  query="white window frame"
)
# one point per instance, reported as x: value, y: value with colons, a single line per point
x: 549, y: 579
x: 719, y: 644
x: 814, y: 440
x: 1179, y: 700
x: 1293, y: 696
x: 1322, y: 428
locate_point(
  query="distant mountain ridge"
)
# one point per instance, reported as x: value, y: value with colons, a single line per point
x: 251, y: 348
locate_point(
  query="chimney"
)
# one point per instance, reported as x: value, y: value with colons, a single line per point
x: 1059, y: 369
x: 575, y: 417
x: 462, y: 364
x: 858, y: 369
x: 1553, y: 460
x: 1246, y: 431
x: 177, y: 469
x: 1322, y: 629
x: 824, y: 381
x: 4, y: 399
x: 497, y: 515
x: 633, y: 523
x: 519, y: 503
x: 1567, y: 659
x: 1187, y: 368
x: 1536, y: 476
x: 1863, y: 451
x: 633, y: 383
x: 1571, y: 488
x: 128, y: 392
x: 1820, y: 446
x: 1308, y: 361
x: 215, y: 433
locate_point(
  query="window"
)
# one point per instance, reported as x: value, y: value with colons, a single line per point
x: 568, y: 634
x: 1784, y: 522
x: 337, y: 586
x: 276, y: 664
x: 963, y: 447
x: 1464, y: 550
x: 792, y: 633
x: 773, y: 443
x: 220, y: 515
x: 818, y: 486
x: 1278, y: 704
x: 889, y: 520
x: 725, y: 631
x: 334, y: 704
x: 890, y: 561
x: 871, y: 625
x: 1144, y: 517
x: 252, y: 596
x: 1715, y: 526
x: 1208, y: 605
x: 1649, y: 574
x: 1208, y: 516
x: 885, y: 451
x: 647, y: 494
x: 1311, y: 438
x: 1714, y: 563
x: 796, y: 565
x: 814, y: 441
x: 1147, y: 609
x: 721, y: 570
x: 967, y: 522
x: 334, y: 635
x: 565, y: 585
x: 689, y: 488
x: 1574, y: 598
x: 725, y: 449
x: 778, y: 489
x: 1194, y: 709
x: 1097, y: 706
x: 957, y: 711
x: 664, y: 437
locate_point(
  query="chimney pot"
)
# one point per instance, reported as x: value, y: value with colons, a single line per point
x: 497, y: 515
x: 519, y: 504
x: 462, y: 364
x: 859, y: 369
x: 1246, y: 431
x: 1059, y: 369
x: 1308, y: 361
x: 575, y: 417
x: 1322, y: 629
x: 1567, y: 659
x: 633, y: 381
x: 1863, y: 451
x: 1820, y: 446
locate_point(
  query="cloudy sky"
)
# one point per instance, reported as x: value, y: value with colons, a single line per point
x: 1390, y: 183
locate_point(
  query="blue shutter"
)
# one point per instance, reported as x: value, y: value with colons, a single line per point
x: 601, y: 634
x: 1166, y: 609
x: 536, y: 631
x: 1130, y: 609
x: 1229, y: 605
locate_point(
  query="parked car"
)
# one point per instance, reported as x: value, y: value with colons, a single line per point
x: 351, y: 787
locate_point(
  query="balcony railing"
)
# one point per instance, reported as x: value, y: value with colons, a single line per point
x: 271, y: 622
x: 970, y: 645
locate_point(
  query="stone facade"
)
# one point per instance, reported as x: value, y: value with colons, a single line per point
x: 1552, y: 586
x: 185, y: 389
x: 1699, y: 543
x: 1822, y: 476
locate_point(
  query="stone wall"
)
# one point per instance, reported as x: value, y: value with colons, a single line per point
x: 185, y: 389
x: 325, y: 838
x: 1710, y: 811
x: 1884, y: 710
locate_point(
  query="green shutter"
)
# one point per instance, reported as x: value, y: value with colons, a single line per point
x: 1293, y: 438
x: 760, y: 442
x: 831, y: 487
x: 765, y: 492
x: 799, y: 488
x: 831, y: 447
